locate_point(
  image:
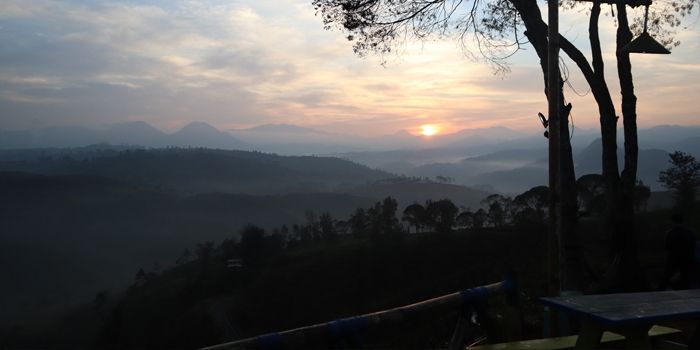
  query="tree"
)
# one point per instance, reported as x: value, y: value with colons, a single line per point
x: 326, y: 223
x: 140, y: 276
x: 642, y: 193
x: 535, y: 198
x: 414, y: 214
x: 358, y: 222
x: 444, y: 179
x: 465, y: 219
x: 496, y: 26
x: 312, y: 225
x: 378, y: 25
x: 498, y: 209
x: 479, y: 218
x: 683, y: 178
x: 184, y: 257
x: 529, y: 207
x: 621, y: 187
x: 389, y: 222
x: 591, y: 193
x: 204, y: 252
x: 252, y: 245
x: 441, y: 214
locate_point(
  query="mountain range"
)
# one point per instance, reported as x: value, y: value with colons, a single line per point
x: 138, y: 133
x: 284, y: 139
x: 495, y: 158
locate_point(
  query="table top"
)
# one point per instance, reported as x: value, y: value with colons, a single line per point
x: 631, y: 308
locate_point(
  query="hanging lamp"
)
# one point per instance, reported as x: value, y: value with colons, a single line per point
x: 644, y: 43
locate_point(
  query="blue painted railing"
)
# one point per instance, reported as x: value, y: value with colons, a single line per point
x: 348, y: 329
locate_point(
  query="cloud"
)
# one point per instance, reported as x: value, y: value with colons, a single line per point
x: 241, y: 63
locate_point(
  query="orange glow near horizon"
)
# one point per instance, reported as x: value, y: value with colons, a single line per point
x: 428, y: 130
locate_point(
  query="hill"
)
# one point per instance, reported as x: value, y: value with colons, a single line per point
x: 64, y: 238
x: 137, y: 133
x: 651, y: 162
x: 202, y: 302
x: 203, y: 170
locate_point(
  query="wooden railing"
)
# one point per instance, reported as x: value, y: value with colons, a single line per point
x: 347, y: 328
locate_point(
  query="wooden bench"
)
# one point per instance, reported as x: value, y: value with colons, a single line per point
x: 569, y: 342
x: 631, y: 315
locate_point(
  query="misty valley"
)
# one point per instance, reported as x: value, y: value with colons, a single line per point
x: 349, y: 174
x: 118, y: 245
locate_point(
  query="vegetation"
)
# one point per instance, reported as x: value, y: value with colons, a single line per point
x: 212, y: 267
x: 683, y: 178
x: 325, y: 268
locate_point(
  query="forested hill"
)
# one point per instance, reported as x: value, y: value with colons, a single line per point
x: 63, y: 238
x: 196, y: 170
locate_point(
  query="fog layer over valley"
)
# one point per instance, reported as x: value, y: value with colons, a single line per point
x: 84, y: 209
x: 78, y: 221
x: 496, y: 159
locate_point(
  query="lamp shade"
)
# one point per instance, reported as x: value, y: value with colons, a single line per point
x: 644, y: 43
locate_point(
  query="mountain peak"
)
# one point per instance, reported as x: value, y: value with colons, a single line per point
x: 198, y: 127
x: 134, y: 126
x: 283, y: 128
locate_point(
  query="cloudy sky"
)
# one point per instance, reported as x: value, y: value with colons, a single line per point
x: 241, y: 63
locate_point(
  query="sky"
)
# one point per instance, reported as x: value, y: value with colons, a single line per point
x: 238, y: 64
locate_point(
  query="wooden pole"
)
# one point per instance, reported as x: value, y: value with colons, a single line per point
x: 553, y: 89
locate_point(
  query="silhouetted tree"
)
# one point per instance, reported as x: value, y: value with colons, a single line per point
x: 140, y: 276
x: 274, y: 244
x: 530, y: 206
x: 535, y: 198
x: 465, y: 219
x: 312, y: 224
x: 374, y: 219
x: 377, y: 26
x: 326, y: 223
x: 390, y: 224
x: 229, y: 248
x: 414, y: 215
x: 252, y: 245
x: 101, y: 299
x: 444, y: 179
x: 498, y: 209
x: 479, y: 218
x: 441, y: 214
x: 204, y: 252
x: 358, y: 222
x: 498, y: 28
x: 184, y: 257
x: 682, y: 177
x: 297, y: 233
x: 642, y: 193
x: 591, y: 193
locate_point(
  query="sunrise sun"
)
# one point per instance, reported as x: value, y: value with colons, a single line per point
x: 428, y: 130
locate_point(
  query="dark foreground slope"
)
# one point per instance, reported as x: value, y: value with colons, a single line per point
x: 203, y: 302
x: 64, y: 238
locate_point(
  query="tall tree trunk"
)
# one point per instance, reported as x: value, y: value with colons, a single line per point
x: 618, y: 218
x: 626, y: 243
x: 619, y: 215
x: 536, y: 32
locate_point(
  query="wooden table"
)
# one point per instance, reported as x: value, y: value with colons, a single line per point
x: 627, y: 314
